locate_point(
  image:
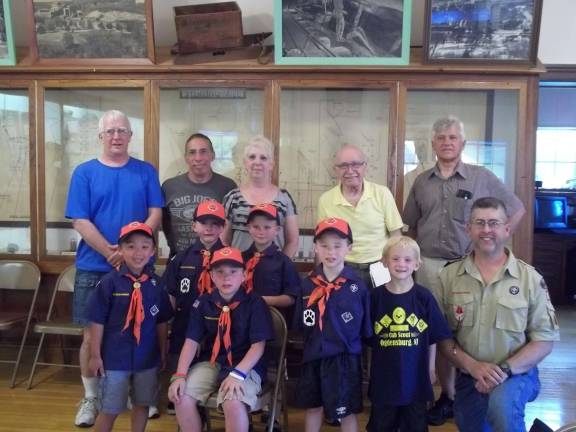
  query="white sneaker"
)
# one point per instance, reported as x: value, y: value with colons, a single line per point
x: 153, y: 412
x: 86, y: 415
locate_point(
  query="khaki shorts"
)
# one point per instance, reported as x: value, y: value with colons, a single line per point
x: 428, y: 275
x: 202, y: 382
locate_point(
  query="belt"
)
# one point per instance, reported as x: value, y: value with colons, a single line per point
x: 360, y: 266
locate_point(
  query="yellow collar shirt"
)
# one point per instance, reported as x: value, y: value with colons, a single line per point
x: 371, y: 221
x: 491, y: 322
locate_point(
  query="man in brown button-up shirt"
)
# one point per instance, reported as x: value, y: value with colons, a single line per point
x: 436, y: 212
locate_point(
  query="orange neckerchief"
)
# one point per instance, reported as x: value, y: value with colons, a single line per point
x: 136, y: 309
x: 322, y: 292
x: 250, y: 267
x: 224, y: 326
x: 204, y: 281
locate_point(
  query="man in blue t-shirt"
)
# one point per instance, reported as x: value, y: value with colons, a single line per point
x: 105, y: 194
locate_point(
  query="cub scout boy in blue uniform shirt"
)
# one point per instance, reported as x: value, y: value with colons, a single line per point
x: 335, y: 319
x: 128, y: 313
x: 235, y: 326
x: 186, y: 276
x: 269, y: 272
x: 407, y: 320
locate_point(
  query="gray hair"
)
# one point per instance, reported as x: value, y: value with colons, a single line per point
x: 447, y: 122
x: 112, y: 115
x: 261, y: 142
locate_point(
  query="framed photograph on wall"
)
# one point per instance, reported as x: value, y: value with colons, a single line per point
x: 473, y: 31
x: 342, y: 32
x: 7, y: 49
x: 91, y: 32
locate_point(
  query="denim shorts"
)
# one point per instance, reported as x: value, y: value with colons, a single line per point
x: 116, y: 385
x: 84, y: 285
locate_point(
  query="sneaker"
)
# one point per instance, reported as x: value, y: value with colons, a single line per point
x: 170, y: 408
x: 86, y: 415
x: 442, y: 410
x: 153, y: 412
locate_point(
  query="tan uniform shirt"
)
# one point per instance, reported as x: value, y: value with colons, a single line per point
x: 438, y: 208
x: 492, y: 322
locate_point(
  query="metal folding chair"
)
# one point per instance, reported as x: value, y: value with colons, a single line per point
x: 18, y: 275
x: 56, y: 326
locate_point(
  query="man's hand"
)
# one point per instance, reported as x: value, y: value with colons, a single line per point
x: 176, y: 390
x: 232, y: 387
x: 114, y: 258
x: 96, y: 366
x: 487, y: 375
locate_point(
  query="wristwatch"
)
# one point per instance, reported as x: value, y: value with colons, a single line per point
x: 506, y: 368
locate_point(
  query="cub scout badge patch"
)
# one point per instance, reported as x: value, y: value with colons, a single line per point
x: 185, y: 285
x: 514, y: 290
x: 353, y: 288
x: 154, y: 310
x: 459, y: 313
x: 309, y: 318
x: 347, y: 317
x: 195, y: 304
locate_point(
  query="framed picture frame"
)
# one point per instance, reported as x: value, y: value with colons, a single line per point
x: 87, y: 32
x: 342, y: 32
x: 468, y: 31
x: 7, y: 48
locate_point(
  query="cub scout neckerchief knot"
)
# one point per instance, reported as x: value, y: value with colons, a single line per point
x: 250, y: 267
x: 204, y: 281
x: 321, y: 293
x: 136, y: 309
x: 223, y: 333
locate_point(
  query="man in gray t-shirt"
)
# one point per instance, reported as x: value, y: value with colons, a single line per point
x: 183, y: 192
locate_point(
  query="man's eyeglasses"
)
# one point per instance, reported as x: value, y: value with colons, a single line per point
x: 354, y: 165
x: 492, y: 223
x: 119, y: 131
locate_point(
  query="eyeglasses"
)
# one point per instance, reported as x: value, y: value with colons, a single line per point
x: 354, y: 165
x: 492, y: 223
x: 119, y: 131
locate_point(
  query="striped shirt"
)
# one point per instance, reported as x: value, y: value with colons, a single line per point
x: 237, y: 210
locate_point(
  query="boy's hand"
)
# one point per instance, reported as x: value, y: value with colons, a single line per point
x: 96, y: 366
x: 232, y: 387
x: 176, y: 390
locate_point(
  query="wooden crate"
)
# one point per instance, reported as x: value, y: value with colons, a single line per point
x: 208, y: 27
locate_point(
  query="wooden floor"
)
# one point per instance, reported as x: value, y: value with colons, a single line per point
x: 50, y: 405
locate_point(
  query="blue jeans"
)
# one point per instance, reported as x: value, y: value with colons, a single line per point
x: 502, y: 410
x: 84, y: 285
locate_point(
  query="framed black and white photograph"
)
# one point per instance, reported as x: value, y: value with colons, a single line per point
x: 7, y: 49
x: 342, y: 32
x: 468, y: 31
x: 88, y: 31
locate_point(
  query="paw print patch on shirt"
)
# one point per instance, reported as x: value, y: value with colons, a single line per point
x: 309, y: 318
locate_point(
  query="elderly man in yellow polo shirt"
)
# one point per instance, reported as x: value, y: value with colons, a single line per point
x: 369, y: 209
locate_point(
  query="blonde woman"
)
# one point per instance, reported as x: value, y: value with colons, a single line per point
x: 258, y: 189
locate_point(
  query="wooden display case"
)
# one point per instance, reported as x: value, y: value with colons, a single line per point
x: 521, y: 83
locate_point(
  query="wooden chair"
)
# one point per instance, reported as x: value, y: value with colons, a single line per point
x: 59, y: 326
x: 18, y: 275
x: 273, y: 391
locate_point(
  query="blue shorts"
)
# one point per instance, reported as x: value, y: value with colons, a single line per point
x: 116, y: 385
x: 84, y: 285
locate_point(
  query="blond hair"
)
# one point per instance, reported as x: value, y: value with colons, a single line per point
x: 402, y: 241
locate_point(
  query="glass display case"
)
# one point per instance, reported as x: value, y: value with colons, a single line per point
x: 15, y: 221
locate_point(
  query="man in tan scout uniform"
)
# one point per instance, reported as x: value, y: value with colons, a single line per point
x: 503, y: 322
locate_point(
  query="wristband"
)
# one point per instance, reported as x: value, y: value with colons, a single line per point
x: 238, y: 374
x: 176, y: 377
